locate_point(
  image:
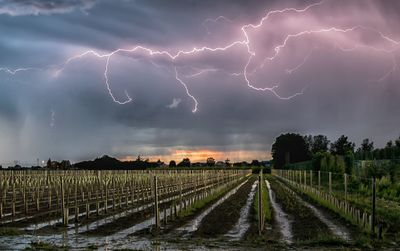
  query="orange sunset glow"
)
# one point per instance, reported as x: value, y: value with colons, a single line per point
x: 201, y: 155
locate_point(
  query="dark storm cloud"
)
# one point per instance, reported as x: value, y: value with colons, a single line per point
x: 71, y: 115
x: 42, y: 7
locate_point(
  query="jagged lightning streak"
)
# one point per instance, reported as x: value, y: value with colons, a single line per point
x: 305, y: 59
x: 207, y: 70
x: 128, y: 98
x: 150, y: 52
x: 391, y: 71
x: 253, y: 53
x: 201, y: 72
x: 15, y: 71
x: 187, y: 90
x: 245, y: 42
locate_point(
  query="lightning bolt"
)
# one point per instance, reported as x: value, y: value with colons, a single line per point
x: 187, y: 90
x: 15, y: 71
x: 245, y: 42
x: 391, y: 70
x: 291, y: 70
x: 128, y: 98
x: 204, y: 71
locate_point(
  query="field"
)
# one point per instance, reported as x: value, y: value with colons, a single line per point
x: 168, y: 210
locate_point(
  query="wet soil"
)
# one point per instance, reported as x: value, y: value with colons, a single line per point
x: 224, y: 217
x: 180, y: 221
x: 353, y: 231
x: 305, y: 225
x: 121, y: 223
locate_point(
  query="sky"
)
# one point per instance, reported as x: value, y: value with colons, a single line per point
x: 175, y: 79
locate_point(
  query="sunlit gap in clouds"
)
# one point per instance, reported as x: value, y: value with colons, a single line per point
x: 201, y: 155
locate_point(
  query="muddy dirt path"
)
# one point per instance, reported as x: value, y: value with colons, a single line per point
x: 223, y: 218
x: 280, y: 217
x: 336, y: 227
x: 243, y: 223
x: 194, y: 224
x: 305, y: 224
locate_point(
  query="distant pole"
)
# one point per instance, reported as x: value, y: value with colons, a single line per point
x: 345, y: 187
x: 373, y: 207
x: 319, y: 180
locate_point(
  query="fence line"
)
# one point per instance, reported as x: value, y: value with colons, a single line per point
x: 27, y: 194
x: 332, y: 193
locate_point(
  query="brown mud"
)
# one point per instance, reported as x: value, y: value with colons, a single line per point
x: 220, y: 220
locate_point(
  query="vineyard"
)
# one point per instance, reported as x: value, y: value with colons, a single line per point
x: 182, y: 209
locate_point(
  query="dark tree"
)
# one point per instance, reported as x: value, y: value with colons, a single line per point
x: 184, y: 163
x: 397, y: 142
x: 289, y: 148
x: 172, y: 163
x: 210, y: 161
x: 309, y: 141
x: 320, y: 143
x: 49, y: 163
x: 342, y: 146
x: 367, y: 146
x: 255, y: 163
x: 316, y: 144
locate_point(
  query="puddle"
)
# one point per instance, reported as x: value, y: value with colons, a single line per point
x: 243, y: 224
x: 122, y: 239
x: 280, y: 217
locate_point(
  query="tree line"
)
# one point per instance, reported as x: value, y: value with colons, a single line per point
x: 292, y: 148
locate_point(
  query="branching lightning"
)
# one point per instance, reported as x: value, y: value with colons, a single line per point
x: 187, y: 90
x: 244, y: 42
x: 291, y: 70
x: 15, y: 71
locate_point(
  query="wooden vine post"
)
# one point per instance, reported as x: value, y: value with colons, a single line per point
x: 156, y: 209
x: 373, y: 207
x: 345, y: 187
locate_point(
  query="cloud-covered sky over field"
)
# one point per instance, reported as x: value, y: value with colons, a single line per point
x: 194, y: 78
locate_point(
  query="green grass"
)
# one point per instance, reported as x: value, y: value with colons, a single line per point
x: 6, y: 231
x: 324, y: 240
x: 265, y: 202
x: 44, y: 246
x: 203, y: 202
